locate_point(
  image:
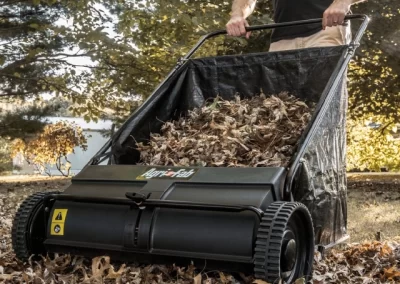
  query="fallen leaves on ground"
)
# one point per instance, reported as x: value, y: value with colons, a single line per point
x: 370, y: 262
x: 373, y: 262
x: 67, y: 269
x: 254, y: 132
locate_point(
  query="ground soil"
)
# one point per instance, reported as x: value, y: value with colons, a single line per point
x: 373, y: 206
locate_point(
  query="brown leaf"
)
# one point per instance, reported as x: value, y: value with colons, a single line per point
x: 258, y: 281
x: 360, y: 268
x: 391, y: 273
x: 99, y: 265
x: 318, y: 279
x: 197, y: 279
x: 223, y: 278
x: 112, y: 274
x: 5, y: 277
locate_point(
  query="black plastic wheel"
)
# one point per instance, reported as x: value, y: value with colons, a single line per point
x: 285, y: 243
x: 28, y: 230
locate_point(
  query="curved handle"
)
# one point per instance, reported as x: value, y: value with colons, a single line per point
x: 357, y: 37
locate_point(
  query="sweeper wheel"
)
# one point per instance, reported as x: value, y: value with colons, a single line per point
x: 28, y: 230
x: 285, y: 243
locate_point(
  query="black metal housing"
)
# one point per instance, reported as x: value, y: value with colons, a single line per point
x: 192, y: 219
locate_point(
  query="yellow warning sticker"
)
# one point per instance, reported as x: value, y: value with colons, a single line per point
x: 59, y: 215
x: 57, y: 229
x: 57, y: 222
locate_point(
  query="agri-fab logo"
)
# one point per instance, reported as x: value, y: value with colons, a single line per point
x: 155, y: 173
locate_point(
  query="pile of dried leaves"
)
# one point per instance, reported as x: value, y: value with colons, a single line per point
x: 256, y: 132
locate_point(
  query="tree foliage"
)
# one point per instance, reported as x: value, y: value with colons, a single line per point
x: 50, y: 47
x: 52, y: 147
x: 102, y: 54
x: 24, y: 122
x: 373, y: 148
x: 374, y: 82
x: 112, y: 54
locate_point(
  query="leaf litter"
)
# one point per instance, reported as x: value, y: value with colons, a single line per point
x: 251, y: 132
x: 370, y: 262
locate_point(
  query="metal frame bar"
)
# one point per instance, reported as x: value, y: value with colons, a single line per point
x: 158, y: 203
x: 330, y: 89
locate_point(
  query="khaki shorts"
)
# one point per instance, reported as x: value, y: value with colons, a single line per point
x: 331, y: 36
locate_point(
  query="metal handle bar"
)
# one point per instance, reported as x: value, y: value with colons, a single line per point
x: 365, y: 19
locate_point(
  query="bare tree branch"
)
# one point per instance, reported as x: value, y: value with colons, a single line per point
x: 98, y: 12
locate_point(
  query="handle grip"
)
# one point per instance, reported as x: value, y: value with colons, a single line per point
x: 357, y: 37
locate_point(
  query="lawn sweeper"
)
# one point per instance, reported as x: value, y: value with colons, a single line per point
x: 266, y: 221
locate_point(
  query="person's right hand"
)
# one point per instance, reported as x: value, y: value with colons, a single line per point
x: 237, y: 27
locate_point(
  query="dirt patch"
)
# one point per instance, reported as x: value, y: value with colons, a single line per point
x: 373, y: 206
x: 389, y: 177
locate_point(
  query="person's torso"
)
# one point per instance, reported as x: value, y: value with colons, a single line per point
x: 296, y: 10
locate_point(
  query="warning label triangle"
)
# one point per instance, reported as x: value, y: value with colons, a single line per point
x: 59, y: 217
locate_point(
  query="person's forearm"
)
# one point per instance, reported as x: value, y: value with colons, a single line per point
x: 243, y: 8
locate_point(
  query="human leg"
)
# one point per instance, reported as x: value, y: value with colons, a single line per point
x: 331, y: 36
x: 285, y: 44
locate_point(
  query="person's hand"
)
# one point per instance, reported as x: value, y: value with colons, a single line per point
x: 237, y: 27
x: 335, y: 14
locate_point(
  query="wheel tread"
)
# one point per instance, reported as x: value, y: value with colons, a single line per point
x: 21, y: 221
x: 269, y: 240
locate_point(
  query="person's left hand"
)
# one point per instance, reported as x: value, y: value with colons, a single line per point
x: 335, y: 14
